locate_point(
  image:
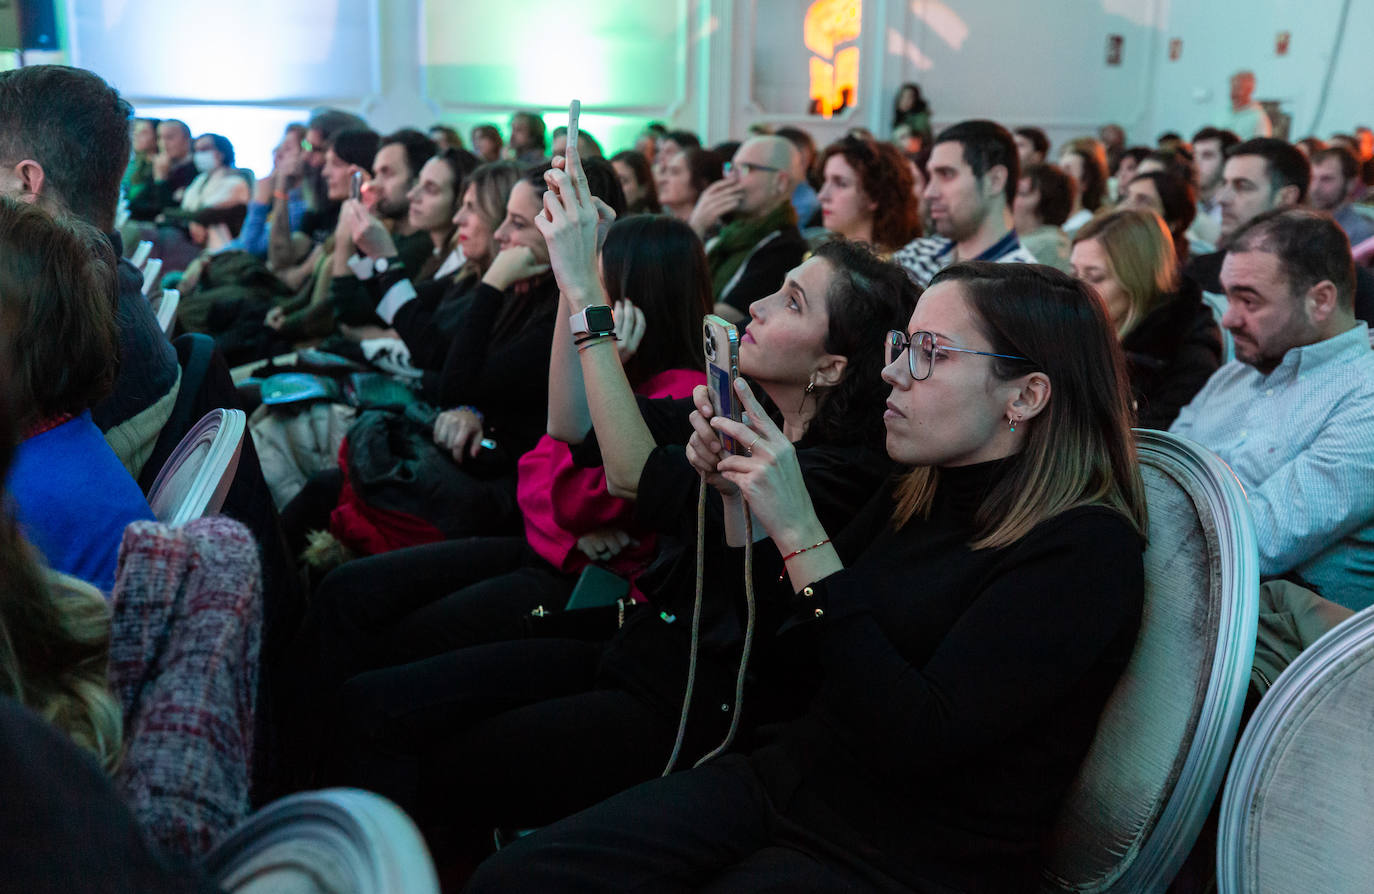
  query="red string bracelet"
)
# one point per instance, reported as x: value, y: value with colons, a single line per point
x: 805, y: 549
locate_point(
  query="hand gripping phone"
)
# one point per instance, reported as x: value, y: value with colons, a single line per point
x: 720, y: 344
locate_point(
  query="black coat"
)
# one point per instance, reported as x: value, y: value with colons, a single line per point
x: 1170, y: 355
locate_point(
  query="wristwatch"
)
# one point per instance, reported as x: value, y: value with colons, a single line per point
x: 593, y: 321
x: 382, y: 265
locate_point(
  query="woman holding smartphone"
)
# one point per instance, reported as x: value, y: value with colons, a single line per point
x: 424, y: 312
x: 524, y: 731
x: 480, y: 589
x: 965, y: 629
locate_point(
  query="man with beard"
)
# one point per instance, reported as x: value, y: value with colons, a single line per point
x: 1293, y: 414
x: 973, y: 171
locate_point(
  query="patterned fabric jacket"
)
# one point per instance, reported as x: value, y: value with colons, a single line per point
x: 184, y: 664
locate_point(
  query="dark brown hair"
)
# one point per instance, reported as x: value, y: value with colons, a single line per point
x: 657, y: 262
x: 867, y: 298
x: 1056, y: 188
x: 644, y: 175
x: 76, y: 126
x: 58, y: 285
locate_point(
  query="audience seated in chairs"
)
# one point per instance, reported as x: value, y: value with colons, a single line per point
x: 1292, y: 415
x: 71, y: 495
x: 495, y: 381
x: 1085, y: 160
x: 928, y: 757
x: 172, y: 167
x: 386, y: 200
x: 219, y: 184
x: 681, y: 178
x: 973, y: 171
x: 1336, y: 182
x: 1170, y: 338
x: 425, y: 311
x: 139, y: 174
x: 1170, y: 196
x: 1044, y: 197
x: 308, y: 314
x: 868, y: 194
x: 1210, y: 146
x: 64, y: 141
x: 597, y: 700
x: 637, y: 182
x: 487, y: 142
x: 751, y: 252
x: 432, y: 208
x: 474, y: 590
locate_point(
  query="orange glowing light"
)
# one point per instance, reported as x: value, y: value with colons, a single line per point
x: 829, y: 24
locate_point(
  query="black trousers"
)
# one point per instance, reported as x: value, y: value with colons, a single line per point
x: 710, y: 829
x: 512, y: 733
x: 399, y: 607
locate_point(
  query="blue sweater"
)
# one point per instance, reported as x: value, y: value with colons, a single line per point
x: 73, y: 499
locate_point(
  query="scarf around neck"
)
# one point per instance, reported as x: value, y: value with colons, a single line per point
x: 737, y: 240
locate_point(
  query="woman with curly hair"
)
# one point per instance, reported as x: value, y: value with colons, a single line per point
x: 858, y: 173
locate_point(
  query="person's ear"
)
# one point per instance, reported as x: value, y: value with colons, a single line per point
x: 1321, y: 301
x: 994, y: 181
x: 1289, y: 196
x: 830, y: 371
x: 31, y: 179
x: 1031, y: 398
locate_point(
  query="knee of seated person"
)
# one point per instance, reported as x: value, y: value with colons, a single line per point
x: 513, y: 868
x: 362, y: 708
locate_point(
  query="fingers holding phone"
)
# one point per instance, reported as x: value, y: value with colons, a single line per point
x: 459, y: 432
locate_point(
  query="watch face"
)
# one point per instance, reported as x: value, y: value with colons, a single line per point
x: 600, y: 319
x: 381, y: 265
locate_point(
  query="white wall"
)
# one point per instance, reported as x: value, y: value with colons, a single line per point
x: 249, y: 67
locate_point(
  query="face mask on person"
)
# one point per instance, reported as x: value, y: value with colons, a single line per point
x: 205, y: 160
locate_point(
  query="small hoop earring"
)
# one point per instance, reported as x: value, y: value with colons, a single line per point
x: 1011, y: 423
x: 811, y: 385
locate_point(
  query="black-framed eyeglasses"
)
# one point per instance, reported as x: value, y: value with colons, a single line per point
x: 746, y: 168
x: 922, y: 350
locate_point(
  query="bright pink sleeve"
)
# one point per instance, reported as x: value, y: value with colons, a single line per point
x: 580, y: 500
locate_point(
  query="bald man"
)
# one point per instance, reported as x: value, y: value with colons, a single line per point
x: 1246, y: 118
x: 759, y: 241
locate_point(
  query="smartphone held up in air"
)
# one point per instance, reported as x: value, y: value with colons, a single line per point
x: 720, y: 344
x: 355, y: 185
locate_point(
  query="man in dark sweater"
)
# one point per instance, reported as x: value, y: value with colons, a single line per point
x: 64, y: 142
x: 759, y: 241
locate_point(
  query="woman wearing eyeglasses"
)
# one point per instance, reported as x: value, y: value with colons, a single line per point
x: 966, y: 627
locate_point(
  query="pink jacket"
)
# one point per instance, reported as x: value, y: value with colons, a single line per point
x: 561, y: 501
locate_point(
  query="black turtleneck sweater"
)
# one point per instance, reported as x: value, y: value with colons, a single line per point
x: 959, y: 690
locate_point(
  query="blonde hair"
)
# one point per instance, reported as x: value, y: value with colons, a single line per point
x: 55, y: 650
x: 1079, y: 451
x: 1140, y: 255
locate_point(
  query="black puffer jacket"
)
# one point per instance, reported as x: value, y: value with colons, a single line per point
x: 1170, y: 355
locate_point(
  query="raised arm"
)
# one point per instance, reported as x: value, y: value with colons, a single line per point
x: 570, y: 224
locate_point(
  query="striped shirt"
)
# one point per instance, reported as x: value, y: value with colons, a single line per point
x: 928, y: 255
x: 1301, y: 441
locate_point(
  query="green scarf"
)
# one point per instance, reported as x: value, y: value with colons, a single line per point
x: 738, y: 238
